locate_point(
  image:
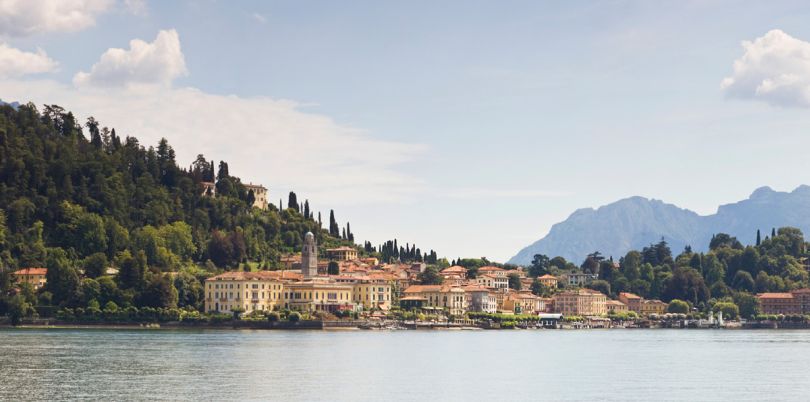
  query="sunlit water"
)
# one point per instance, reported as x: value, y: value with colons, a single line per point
x: 56, y: 364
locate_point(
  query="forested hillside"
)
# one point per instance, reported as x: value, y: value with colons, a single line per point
x: 77, y: 197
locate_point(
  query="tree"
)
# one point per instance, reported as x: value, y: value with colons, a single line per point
x: 759, y: 238
x: 538, y: 288
x: 729, y: 309
x: 724, y: 240
x: 600, y: 286
x: 743, y: 281
x: 132, y: 270
x: 62, y: 278
x: 686, y: 284
x: 678, y: 307
x: 159, y: 292
x: 292, y: 201
x: 95, y: 265
x: 631, y: 265
x: 540, y: 265
x: 430, y: 276
x: 18, y: 308
x: 514, y: 281
x: 334, y: 229
x: 333, y: 268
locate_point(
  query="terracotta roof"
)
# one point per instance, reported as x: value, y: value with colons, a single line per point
x: 775, y: 295
x: 615, y: 303
x: 455, y: 269
x: 547, y: 276
x: 629, y: 295
x: 31, y: 271
x: 490, y: 268
x: 341, y: 248
x: 258, y: 275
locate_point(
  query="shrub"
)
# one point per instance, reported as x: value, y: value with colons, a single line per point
x: 273, y: 316
x: 294, y: 317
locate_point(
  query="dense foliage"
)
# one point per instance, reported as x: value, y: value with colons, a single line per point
x: 79, y: 199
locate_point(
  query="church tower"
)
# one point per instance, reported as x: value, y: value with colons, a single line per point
x: 309, y: 256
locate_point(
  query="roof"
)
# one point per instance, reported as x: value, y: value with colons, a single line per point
x: 258, y: 275
x: 629, y: 295
x: 490, y: 268
x: 615, y: 303
x: 547, y: 276
x: 415, y: 298
x: 31, y: 271
x: 455, y: 269
x: 775, y: 295
x: 341, y: 248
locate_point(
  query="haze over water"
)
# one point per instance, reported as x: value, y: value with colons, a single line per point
x: 53, y: 364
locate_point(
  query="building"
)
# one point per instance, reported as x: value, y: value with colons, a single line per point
x: 494, y: 271
x: 452, y: 299
x: 616, y: 306
x: 782, y: 303
x: 580, y: 278
x: 259, y: 195
x: 309, y: 256
x: 549, y: 281
x: 342, y: 253
x: 319, y: 294
x: 455, y: 270
x: 245, y: 291
x: 209, y: 188
x: 480, y: 299
x: 583, y: 302
x: 493, y: 281
x: 522, y: 303
x: 633, y: 301
x: 652, y: 307
x: 34, y: 276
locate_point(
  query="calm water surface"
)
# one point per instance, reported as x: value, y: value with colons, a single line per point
x: 55, y: 364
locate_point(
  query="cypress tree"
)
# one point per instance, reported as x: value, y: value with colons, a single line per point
x: 773, y: 233
x: 759, y: 240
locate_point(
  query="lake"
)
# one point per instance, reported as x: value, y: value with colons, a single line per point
x: 54, y: 364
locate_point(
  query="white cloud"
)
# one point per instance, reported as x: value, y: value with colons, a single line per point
x: 775, y: 68
x: 136, y: 7
x: 155, y: 63
x: 259, y: 18
x: 264, y: 140
x: 26, y: 17
x: 15, y: 62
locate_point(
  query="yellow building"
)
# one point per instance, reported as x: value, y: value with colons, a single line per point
x: 584, y: 302
x: 259, y: 195
x: 34, y: 276
x: 549, y: 281
x: 652, y: 307
x: 247, y: 291
x: 616, y: 306
x: 522, y: 303
x: 318, y: 295
x: 451, y: 298
x: 342, y: 253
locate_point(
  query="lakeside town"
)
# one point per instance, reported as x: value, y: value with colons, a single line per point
x: 365, y: 293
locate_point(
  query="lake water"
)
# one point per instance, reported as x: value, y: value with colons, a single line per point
x: 54, y: 364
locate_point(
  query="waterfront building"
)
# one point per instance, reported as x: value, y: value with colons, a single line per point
x: 319, y: 294
x: 522, y: 303
x: 343, y: 253
x: 652, y: 307
x: 785, y: 303
x: 34, y: 276
x: 450, y: 298
x: 584, y: 302
x: 245, y: 291
x: 480, y: 299
x: 632, y: 300
x: 615, y: 306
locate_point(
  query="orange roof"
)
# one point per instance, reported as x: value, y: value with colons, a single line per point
x: 31, y: 271
x: 258, y: 275
x: 629, y: 295
x: 615, y: 303
x: 490, y: 268
x: 455, y: 269
x: 547, y: 276
x: 341, y: 248
x: 775, y: 295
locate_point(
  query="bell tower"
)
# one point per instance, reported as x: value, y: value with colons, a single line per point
x: 309, y: 256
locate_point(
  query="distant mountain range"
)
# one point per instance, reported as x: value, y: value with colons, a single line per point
x: 14, y: 105
x: 635, y: 222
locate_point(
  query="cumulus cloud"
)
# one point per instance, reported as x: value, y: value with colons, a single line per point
x: 774, y: 68
x: 15, y: 62
x: 26, y: 17
x: 155, y: 63
x: 273, y: 142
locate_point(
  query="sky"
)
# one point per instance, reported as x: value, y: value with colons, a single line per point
x: 466, y: 127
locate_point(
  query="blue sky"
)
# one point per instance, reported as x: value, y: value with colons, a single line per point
x: 467, y: 127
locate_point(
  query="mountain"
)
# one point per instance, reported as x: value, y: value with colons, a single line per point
x: 14, y: 105
x: 635, y: 222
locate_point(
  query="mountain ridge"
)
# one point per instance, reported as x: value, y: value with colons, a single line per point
x: 634, y: 222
